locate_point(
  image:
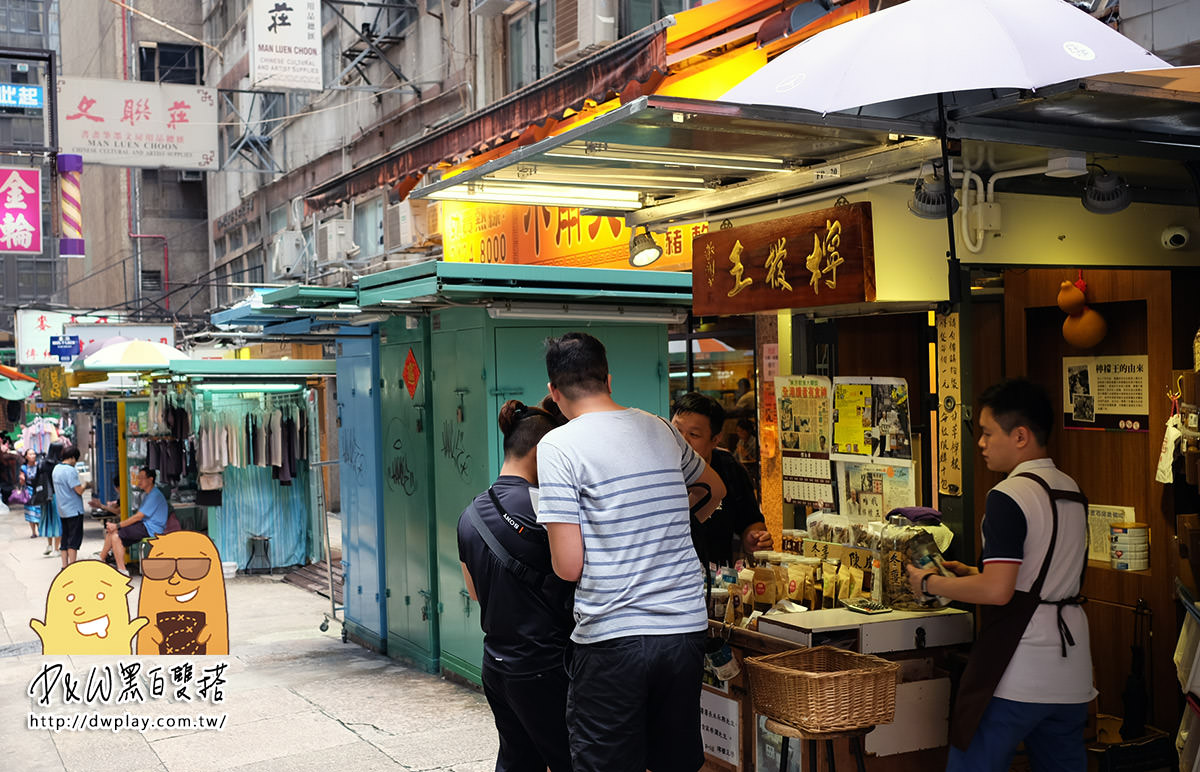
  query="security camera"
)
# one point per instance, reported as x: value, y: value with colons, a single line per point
x: 1175, y: 237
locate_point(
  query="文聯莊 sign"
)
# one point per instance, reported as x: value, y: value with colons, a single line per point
x: 550, y: 235
x: 144, y: 125
x: 814, y: 259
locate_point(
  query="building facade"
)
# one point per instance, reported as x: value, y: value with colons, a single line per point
x: 146, y: 229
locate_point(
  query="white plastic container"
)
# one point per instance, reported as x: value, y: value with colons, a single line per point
x: 229, y: 569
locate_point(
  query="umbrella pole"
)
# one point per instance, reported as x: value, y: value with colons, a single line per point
x: 953, y: 266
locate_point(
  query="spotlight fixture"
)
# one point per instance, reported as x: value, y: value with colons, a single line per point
x: 642, y: 249
x: 1105, y: 192
x: 929, y: 198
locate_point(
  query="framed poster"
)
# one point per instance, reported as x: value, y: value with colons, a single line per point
x: 1106, y: 393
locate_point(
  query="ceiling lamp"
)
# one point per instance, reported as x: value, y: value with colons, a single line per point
x: 929, y: 198
x: 1105, y: 192
x: 643, y: 250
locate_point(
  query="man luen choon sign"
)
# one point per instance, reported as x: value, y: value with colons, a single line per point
x: 813, y: 259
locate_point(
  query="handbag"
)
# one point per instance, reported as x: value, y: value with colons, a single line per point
x: 19, y: 496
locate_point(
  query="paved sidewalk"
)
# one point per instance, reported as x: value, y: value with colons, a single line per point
x: 294, y: 698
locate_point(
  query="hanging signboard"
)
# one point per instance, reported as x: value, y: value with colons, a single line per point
x: 21, y: 95
x: 34, y: 328
x: 550, y: 235
x: 949, y: 386
x: 814, y: 259
x: 52, y: 383
x: 804, y: 429
x: 98, y: 333
x: 138, y: 124
x: 285, y: 45
x: 1106, y: 393
x: 21, y: 210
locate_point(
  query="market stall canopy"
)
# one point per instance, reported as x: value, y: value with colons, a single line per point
x: 16, y: 390
x: 131, y: 355
x: 940, y: 46
x: 250, y: 368
x: 505, y: 289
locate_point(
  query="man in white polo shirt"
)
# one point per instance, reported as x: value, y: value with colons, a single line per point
x: 1029, y: 677
x: 614, y: 498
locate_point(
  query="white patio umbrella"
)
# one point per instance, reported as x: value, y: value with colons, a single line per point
x: 927, y: 47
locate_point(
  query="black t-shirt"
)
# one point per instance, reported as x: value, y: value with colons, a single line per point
x: 713, y: 538
x: 524, y: 632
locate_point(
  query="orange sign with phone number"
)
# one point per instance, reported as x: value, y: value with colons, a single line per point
x: 550, y: 235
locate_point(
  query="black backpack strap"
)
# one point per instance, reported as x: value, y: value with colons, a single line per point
x: 530, y: 534
x: 524, y: 573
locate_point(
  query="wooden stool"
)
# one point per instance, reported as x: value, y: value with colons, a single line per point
x: 787, y: 731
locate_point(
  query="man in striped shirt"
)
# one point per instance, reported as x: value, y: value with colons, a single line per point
x: 614, y: 498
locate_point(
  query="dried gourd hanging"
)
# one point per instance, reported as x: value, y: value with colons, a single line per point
x: 1084, y: 327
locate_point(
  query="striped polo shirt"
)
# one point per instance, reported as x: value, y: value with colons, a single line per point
x: 622, y: 477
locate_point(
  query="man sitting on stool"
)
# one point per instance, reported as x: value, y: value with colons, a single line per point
x: 149, y: 520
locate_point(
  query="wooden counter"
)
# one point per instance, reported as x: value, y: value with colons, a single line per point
x: 734, y: 741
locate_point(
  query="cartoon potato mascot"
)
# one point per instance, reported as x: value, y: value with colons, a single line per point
x: 183, y: 597
x: 87, y: 612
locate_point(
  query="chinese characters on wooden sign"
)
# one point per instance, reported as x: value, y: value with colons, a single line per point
x: 813, y: 259
x: 949, y: 388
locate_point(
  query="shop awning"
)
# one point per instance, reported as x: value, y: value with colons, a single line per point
x: 667, y: 153
x: 634, y: 59
x: 309, y: 296
x: 439, y: 283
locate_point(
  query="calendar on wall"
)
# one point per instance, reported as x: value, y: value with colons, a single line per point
x: 802, y: 404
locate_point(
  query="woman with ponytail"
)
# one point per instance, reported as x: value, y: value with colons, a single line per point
x: 525, y: 610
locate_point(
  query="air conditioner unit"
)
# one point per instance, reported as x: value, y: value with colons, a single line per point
x: 334, y: 239
x: 288, y: 255
x: 581, y: 27
x: 433, y: 221
x: 400, y: 229
x: 489, y: 8
x: 191, y: 175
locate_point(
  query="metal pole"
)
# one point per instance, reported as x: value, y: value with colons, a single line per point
x: 953, y: 267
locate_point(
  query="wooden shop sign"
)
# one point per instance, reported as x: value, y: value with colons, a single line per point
x: 815, y: 259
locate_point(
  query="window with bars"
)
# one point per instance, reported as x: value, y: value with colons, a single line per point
x: 152, y: 281
x: 636, y: 14
x: 170, y: 63
x: 23, y: 16
x: 529, y: 60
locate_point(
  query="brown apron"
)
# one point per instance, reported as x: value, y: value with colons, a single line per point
x: 1001, y: 629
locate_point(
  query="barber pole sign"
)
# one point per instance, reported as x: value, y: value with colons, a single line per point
x: 21, y: 210
x: 69, y: 169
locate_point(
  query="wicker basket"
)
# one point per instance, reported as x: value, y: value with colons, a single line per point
x: 824, y: 689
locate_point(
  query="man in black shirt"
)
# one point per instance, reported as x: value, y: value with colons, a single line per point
x: 699, y: 419
x: 526, y: 619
